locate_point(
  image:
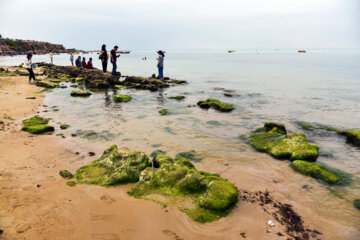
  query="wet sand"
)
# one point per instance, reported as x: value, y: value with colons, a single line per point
x: 37, y: 204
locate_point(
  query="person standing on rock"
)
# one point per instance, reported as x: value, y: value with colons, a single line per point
x: 29, y: 67
x: 103, y: 55
x: 52, y: 58
x: 113, y: 59
x: 78, y: 62
x: 72, y: 59
x: 160, y: 64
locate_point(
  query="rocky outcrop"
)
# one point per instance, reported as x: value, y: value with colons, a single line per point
x: 315, y: 170
x: 16, y: 46
x: 216, y: 104
x: 37, y: 125
x: 272, y: 138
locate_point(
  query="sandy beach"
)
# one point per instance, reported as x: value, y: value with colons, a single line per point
x: 37, y: 204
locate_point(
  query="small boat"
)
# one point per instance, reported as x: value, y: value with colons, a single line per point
x: 231, y: 51
x: 301, y: 51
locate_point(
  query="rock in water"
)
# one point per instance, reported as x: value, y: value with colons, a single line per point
x: 216, y: 104
x: 177, y: 179
x: 164, y: 111
x: 272, y: 138
x: 314, y: 170
x: 352, y: 137
x: 115, y: 166
x: 46, y: 84
x: 37, y: 125
x: 357, y: 203
x: 122, y: 98
x: 80, y: 93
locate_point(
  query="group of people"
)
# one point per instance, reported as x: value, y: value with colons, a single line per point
x: 81, y: 64
x: 103, y: 56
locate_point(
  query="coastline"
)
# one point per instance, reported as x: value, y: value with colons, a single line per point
x: 37, y: 204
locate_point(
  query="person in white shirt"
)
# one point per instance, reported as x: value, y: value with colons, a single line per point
x: 52, y: 58
x: 29, y: 67
x: 72, y: 59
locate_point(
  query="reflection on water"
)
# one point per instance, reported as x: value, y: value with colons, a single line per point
x: 319, y: 87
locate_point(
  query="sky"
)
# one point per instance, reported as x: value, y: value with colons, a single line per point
x: 185, y: 24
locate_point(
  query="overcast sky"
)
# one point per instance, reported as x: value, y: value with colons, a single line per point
x: 185, y: 24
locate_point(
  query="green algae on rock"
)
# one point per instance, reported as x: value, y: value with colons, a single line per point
x: 216, y: 104
x: 122, y: 98
x: 80, y: 93
x: 64, y: 126
x: 272, y: 138
x: 352, y: 136
x: 46, y: 84
x: 66, y: 174
x: 315, y: 170
x: 37, y: 125
x: 180, y: 97
x: 207, y: 197
x: 164, y: 111
x: 191, y: 156
x: 315, y: 126
x: 115, y: 166
x: 357, y: 203
x: 71, y: 183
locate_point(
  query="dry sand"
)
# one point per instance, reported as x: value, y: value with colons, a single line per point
x: 37, y: 204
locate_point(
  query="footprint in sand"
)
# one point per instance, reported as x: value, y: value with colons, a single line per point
x: 104, y: 236
x: 171, y: 234
x: 107, y: 199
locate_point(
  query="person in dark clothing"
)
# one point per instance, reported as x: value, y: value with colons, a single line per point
x: 29, y: 67
x: 89, y: 64
x: 113, y: 59
x: 160, y: 64
x: 83, y: 63
x: 78, y: 62
x: 103, y: 55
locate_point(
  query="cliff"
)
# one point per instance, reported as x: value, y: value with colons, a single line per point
x: 16, y: 46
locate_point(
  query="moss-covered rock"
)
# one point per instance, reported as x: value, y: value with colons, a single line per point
x: 191, y: 156
x: 80, y: 93
x: 122, y: 98
x: 209, y: 196
x: 64, y: 126
x: 315, y: 170
x: 216, y: 104
x: 180, y: 97
x: 115, y: 166
x: 37, y: 125
x: 357, y: 203
x: 66, y: 174
x: 315, y: 126
x: 46, y: 84
x: 119, y: 86
x: 277, y: 143
x: 352, y: 136
x: 164, y: 111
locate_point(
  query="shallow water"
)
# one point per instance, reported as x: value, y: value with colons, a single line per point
x: 316, y: 87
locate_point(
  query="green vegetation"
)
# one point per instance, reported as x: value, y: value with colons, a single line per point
x: 352, y: 136
x: 71, y: 183
x: 272, y: 138
x: 36, y: 125
x: 216, y: 104
x: 80, y: 93
x: 115, y: 166
x: 316, y: 171
x: 119, y: 86
x: 208, y: 196
x: 122, y: 98
x: 164, y: 111
x: 46, y: 84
